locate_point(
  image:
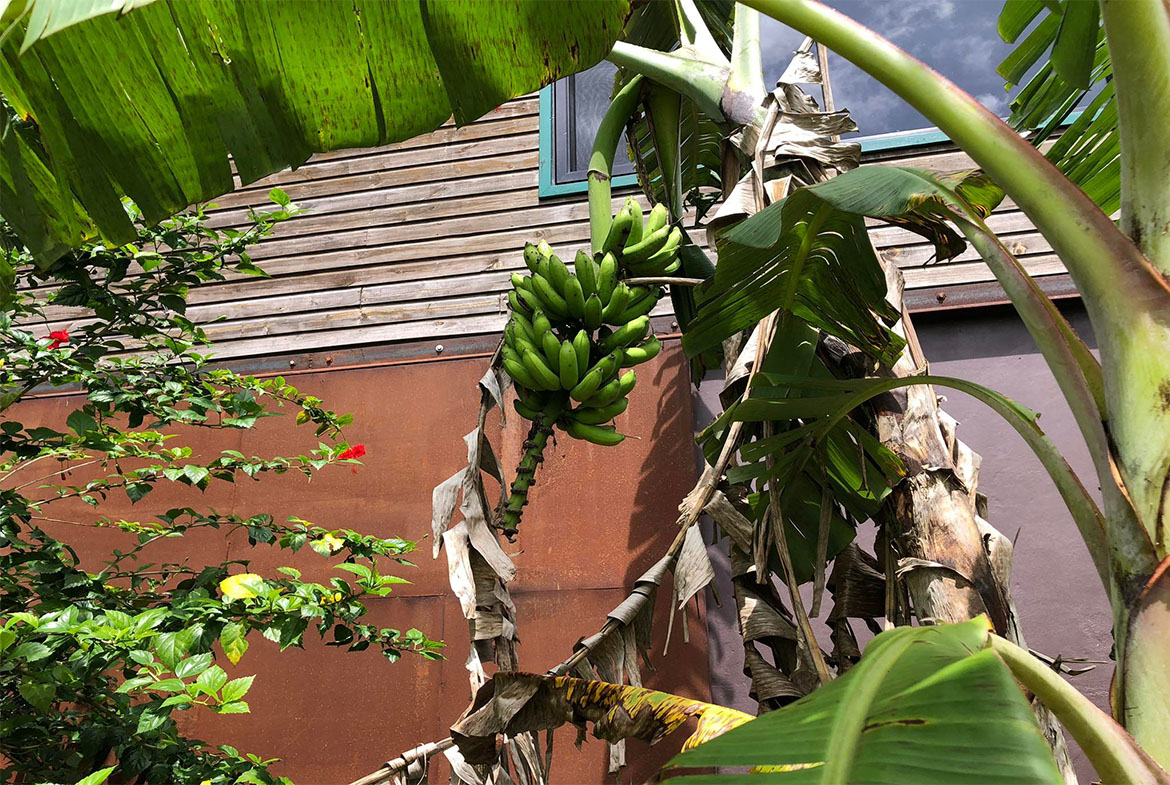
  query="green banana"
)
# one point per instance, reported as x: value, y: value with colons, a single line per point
x: 648, y: 350
x: 540, y: 324
x: 516, y: 304
x: 586, y: 272
x: 511, y: 339
x: 523, y: 325
x: 534, y: 260
x: 524, y: 410
x: 597, y: 415
x: 532, y: 399
x: 557, y: 274
x: 612, y: 390
x: 574, y: 297
x: 641, y: 305
x: 657, y: 262
x: 581, y: 347
x: 544, y: 248
x: 617, y: 304
x: 656, y: 220
x: 605, y: 435
x: 540, y: 372
x: 553, y: 302
x: 614, y: 364
x: 672, y: 267
x: 519, y: 373
x: 607, y: 278
x: 635, y: 235
x: 519, y: 281
x: 629, y: 333
x: 593, y: 309
x: 551, y: 349
x: 619, y: 230
x: 594, y: 378
x: 647, y: 247
x: 568, y: 366
x: 529, y: 298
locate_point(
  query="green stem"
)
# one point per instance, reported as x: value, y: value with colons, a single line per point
x: 747, y: 70
x: 700, y: 80
x: 601, y: 159
x: 1079, y: 378
x: 664, y: 110
x: 1113, y: 753
x: 693, y: 30
x: 530, y: 460
x: 1138, y: 32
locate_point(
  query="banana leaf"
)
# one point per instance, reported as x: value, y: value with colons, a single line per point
x: 151, y: 102
x: 924, y: 705
x: 801, y: 255
x: 515, y: 703
x: 810, y: 253
x: 1078, y: 66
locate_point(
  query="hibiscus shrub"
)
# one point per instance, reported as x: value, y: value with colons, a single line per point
x: 94, y: 665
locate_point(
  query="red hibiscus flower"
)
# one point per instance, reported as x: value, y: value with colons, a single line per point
x: 357, y: 451
x: 57, y: 338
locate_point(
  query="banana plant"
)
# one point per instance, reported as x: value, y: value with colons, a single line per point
x: 797, y: 262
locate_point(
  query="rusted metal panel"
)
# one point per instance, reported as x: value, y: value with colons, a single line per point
x: 598, y: 518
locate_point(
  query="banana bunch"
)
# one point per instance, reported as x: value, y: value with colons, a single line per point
x: 573, y: 332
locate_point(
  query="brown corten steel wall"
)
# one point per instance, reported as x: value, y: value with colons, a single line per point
x: 599, y: 517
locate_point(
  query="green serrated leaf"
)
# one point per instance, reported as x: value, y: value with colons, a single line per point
x: 233, y: 639
x: 236, y: 689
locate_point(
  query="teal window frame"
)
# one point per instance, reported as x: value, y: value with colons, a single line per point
x: 548, y: 188
x: 897, y: 140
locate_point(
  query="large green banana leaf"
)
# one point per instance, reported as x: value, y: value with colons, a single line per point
x: 1088, y: 150
x: 811, y: 254
x: 150, y: 103
x: 929, y: 705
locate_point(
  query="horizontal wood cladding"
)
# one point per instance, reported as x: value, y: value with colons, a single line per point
x: 415, y: 242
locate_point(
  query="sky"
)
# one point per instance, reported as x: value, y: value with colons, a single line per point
x: 955, y: 37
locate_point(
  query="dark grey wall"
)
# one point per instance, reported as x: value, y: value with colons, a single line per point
x: 1062, y: 605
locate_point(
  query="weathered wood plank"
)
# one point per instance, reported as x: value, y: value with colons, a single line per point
x: 367, y: 181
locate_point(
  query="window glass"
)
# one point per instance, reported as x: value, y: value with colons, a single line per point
x: 579, y: 102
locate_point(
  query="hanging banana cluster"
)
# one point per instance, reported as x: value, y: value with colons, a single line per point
x: 571, y: 333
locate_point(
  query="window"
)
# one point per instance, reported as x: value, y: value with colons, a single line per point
x: 570, y: 112
x: 957, y: 37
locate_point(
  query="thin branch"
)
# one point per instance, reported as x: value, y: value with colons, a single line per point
x: 665, y: 280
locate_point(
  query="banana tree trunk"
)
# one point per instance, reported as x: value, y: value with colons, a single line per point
x: 955, y: 564
x: 1138, y: 34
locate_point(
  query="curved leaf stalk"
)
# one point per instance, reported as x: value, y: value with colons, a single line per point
x: 1127, y: 298
x: 601, y: 160
x: 700, y: 80
x: 1076, y: 497
x: 1113, y: 752
x: 693, y: 31
x: 1130, y: 551
x: 532, y: 457
x: 1138, y: 32
x: 747, y: 70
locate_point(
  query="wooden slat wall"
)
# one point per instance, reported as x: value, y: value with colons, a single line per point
x: 415, y: 241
